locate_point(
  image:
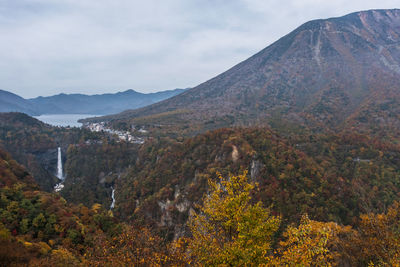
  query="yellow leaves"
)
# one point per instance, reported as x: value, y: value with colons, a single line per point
x: 58, y: 228
x: 64, y: 257
x: 44, y: 248
x: 110, y: 213
x: 229, y: 230
x: 305, y: 245
x: 28, y: 244
x: 51, y: 242
x: 96, y: 207
x: 63, y: 201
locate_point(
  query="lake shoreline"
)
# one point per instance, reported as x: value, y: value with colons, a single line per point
x: 64, y: 120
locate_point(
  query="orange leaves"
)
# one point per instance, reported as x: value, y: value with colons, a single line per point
x: 135, y: 246
x: 379, y: 236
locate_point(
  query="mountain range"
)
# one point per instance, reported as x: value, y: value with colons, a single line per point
x: 100, y: 104
x: 328, y: 73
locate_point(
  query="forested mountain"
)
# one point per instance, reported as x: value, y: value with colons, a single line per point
x: 329, y: 177
x: 98, y: 104
x: 34, y: 144
x: 101, y: 104
x: 91, y: 161
x: 327, y: 74
x: 42, y: 229
x: 10, y: 102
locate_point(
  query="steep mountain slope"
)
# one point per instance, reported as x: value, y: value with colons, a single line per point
x: 34, y: 144
x: 10, y: 102
x: 12, y: 173
x: 329, y: 177
x: 322, y: 74
x: 91, y: 161
x: 98, y: 104
x: 41, y: 229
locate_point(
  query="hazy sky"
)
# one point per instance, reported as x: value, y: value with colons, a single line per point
x: 98, y: 46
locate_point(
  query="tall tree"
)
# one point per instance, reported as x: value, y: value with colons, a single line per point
x: 229, y: 229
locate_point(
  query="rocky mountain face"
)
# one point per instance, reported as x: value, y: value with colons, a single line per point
x: 326, y: 73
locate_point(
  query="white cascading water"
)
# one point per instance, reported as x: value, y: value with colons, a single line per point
x: 59, y: 165
x: 59, y: 174
x: 113, y: 198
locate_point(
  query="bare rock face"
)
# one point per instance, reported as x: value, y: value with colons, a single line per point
x: 323, y: 73
x: 235, y: 153
x: 255, y: 169
x: 166, y: 218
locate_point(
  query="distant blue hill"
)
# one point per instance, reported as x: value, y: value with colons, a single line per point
x: 82, y: 104
x: 10, y: 102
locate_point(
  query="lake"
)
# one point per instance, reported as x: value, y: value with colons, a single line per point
x: 64, y: 119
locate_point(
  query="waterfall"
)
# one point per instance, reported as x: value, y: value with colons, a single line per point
x: 59, y: 165
x: 113, y: 198
x: 59, y: 174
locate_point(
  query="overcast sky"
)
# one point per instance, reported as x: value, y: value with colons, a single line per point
x: 97, y: 46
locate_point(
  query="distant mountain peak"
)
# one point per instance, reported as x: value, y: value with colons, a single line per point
x: 130, y: 91
x: 321, y: 73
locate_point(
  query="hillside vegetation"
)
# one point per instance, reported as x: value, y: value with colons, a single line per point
x: 42, y: 229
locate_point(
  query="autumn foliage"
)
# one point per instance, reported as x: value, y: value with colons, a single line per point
x: 229, y: 230
x: 305, y: 200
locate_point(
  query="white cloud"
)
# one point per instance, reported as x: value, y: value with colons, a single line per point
x: 95, y: 46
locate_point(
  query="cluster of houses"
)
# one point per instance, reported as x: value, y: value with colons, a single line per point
x: 123, y: 136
